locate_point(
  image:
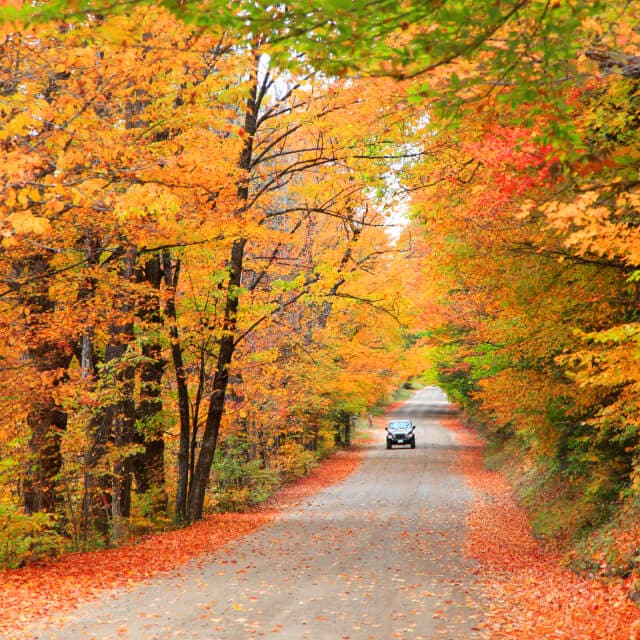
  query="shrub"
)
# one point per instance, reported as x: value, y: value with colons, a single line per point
x: 26, y: 538
x: 294, y: 461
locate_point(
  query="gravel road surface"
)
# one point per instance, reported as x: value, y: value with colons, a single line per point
x: 376, y: 557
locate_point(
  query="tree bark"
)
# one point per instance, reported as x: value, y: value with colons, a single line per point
x: 50, y: 358
x: 227, y: 344
x: 47, y: 422
x: 109, y: 481
x: 200, y: 479
x: 171, y: 274
x: 148, y: 465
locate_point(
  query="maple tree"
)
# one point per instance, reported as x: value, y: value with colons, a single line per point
x: 278, y: 276
x: 531, y: 264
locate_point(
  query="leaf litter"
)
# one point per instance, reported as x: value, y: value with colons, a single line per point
x: 530, y: 594
x: 58, y: 586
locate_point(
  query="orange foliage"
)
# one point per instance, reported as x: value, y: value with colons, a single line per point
x: 176, y: 208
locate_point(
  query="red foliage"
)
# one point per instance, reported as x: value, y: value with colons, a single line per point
x: 513, y: 167
x: 56, y: 586
x: 530, y: 594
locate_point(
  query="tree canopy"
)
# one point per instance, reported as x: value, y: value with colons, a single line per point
x: 197, y: 261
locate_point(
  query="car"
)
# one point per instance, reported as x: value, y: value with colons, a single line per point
x: 401, y: 432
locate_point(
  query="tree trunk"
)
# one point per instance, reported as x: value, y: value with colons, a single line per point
x: 47, y: 422
x: 148, y: 465
x: 50, y: 358
x: 171, y: 274
x: 200, y: 479
x: 109, y: 479
x: 97, y: 501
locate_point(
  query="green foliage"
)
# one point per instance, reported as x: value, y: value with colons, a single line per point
x: 402, y: 393
x: 487, y: 360
x: 294, y: 461
x: 26, y: 538
x: 148, y: 513
x: 405, y: 39
x: 612, y: 549
x: 325, y: 443
x: 240, y: 481
x: 154, y: 425
x: 454, y: 377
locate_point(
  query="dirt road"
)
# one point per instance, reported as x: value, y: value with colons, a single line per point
x: 374, y: 558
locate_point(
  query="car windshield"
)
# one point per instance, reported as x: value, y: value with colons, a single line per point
x: 400, y: 425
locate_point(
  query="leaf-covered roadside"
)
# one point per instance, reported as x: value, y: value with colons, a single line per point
x: 530, y: 594
x: 57, y: 586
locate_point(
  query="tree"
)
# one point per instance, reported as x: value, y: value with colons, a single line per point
x: 531, y: 253
x: 297, y: 142
x: 80, y: 211
x: 175, y: 206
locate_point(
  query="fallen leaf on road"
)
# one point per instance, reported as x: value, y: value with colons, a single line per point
x: 56, y: 586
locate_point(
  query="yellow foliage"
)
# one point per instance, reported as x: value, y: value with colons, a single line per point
x: 25, y: 222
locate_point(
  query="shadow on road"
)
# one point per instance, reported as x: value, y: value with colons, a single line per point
x: 453, y: 448
x: 430, y: 411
